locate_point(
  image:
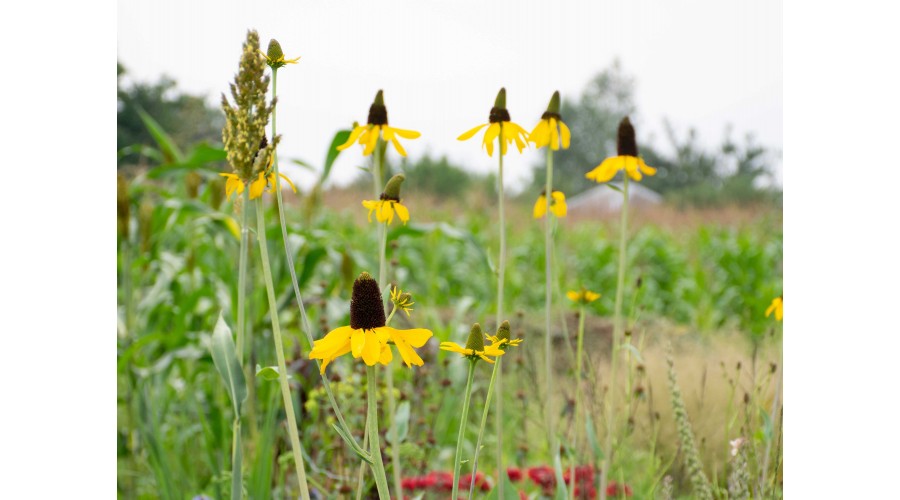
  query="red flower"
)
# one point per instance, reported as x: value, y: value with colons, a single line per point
x: 614, y: 490
x: 410, y: 483
x: 514, y: 473
x: 466, y: 481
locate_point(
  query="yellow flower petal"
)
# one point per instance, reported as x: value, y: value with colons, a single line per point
x: 564, y: 134
x: 607, y: 170
x: 554, y: 135
x: 371, y: 350
x: 454, y: 347
x: 540, y: 207
x: 354, y: 135
x: 386, y: 355
x: 333, y: 345
x: 540, y: 135
x: 385, y: 213
x: 258, y: 186
x: 371, y: 139
x: 591, y: 296
x: 647, y: 169
x: 293, y: 188
x: 372, y: 205
x: 407, y: 134
x: 402, y: 212
x: 573, y: 295
x: 559, y: 207
x: 468, y: 134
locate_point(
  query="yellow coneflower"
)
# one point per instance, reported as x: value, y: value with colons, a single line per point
x: 583, y: 296
x: 557, y: 205
x: 367, y: 336
x: 402, y: 300
x: 551, y: 130
x: 389, y: 203
x: 627, y: 159
x: 499, y: 122
x: 275, y: 57
x: 777, y: 307
x: 377, y: 125
x: 503, y: 339
x: 475, y: 348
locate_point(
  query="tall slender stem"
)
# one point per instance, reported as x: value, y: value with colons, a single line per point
x: 374, y: 444
x: 577, y: 411
x: 484, y: 416
x: 237, y: 487
x: 617, y: 333
x: 242, y: 275
x: 462, y: 431
x: 279, y: 352
x: 289, y: 255
x: 548, y: 300
x: 501, y: 279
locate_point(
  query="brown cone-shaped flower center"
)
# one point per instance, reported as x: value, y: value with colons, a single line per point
x: 503, y: 331
x: 366, y: 307
x: 626, y: 145
x: 378, y: 114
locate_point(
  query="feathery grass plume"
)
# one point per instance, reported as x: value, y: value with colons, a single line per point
x: 245, y: 122
x: 739, y: 479
x: 123, y: 205
x: 686, y: 435
x: 668, y: 489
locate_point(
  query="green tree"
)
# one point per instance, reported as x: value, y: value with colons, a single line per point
x: 186, y: 118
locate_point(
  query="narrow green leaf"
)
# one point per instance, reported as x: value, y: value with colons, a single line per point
x: 561, y: 491
x: 221, y: 347
x: 352, y: 444
x: 312, y: 258
x: 592, y: 438
x: 170, y: 151
x: 202, y: 157
x: 339, y: 138
x: 402, y: 419
x: 634, y: 351
x: 615, y: 188
x: 301, y: 163
x: 268, y: 372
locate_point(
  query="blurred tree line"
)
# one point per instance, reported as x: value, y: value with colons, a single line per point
x: 187, y: 119
x: 688, y: 173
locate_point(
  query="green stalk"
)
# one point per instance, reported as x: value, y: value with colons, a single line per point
x: 375, y: 445
x: 289, y: 253
x: 617, y: 333
x: 462, y: 431
x: 242, y: 275
x: 279, y: 352
x: 548, y: 301
x: 484, y: 416
x: 237, y: 487
x: 576, y: 412
x: 501, y: 273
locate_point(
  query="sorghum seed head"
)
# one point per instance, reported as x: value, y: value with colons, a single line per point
x: 366, y: 307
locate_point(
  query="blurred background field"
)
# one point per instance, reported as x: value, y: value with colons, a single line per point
x: 704, y: 263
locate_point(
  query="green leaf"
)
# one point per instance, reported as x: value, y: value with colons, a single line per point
x: 615, y: 188
x: 592, y: 438
x: 140, y: 150
x: 301, y: 163
x: 352, y: 444
x: 561, y: 491
x: 401, y: 417
x: 202, y: 157
x: 221, y: 347
x: 268, y: 372
x: 339, y: 138
x: 170, y: 151
x: 309, y: 264
x: 634, y: 351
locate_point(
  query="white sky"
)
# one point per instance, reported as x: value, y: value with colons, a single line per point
x: 705, y: 64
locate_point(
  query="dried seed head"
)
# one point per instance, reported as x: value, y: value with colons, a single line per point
x: 392, y: 188
x: 503, y: 331
x: 626, y: 145
x: 476, y: 338
x: 366, y: 307
x: 378, y: 111
x: 123, y: 204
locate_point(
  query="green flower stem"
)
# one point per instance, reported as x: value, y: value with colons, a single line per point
x: 484, y: 416
x: 289, y: 254
x: 462, y: 430
x: 501, y: 273
x: 617, y: 334
x: 279, y: 352
x: 548, y: 301
x: 576, y: 412
x: 242, y: 275
x: 375, y: 445
x: 237, y: 487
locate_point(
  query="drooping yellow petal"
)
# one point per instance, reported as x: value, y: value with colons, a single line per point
x: 607, y: 170
x: 564, y: 134
x: 554, y: 135
x: 258, y: 186
x: 389, y: 135
x: 631, y: 168
x: 292, y: 61
x: 354, y: 135
x: 540, y: 136
x: 402, y: 211
x: 372, y: 139
x: 468, y: 134
x: 407, y: 134
x: 386, y: 355
x: 333, y: 345
x: 357, y: 342
x: 573, y: 295
x: 646, y: 169
x: 454, y: 347
x: 591, y: 296
x: 492, y: 133
x: 540, y: 207
x: 558, y: 207
x: 293, y: 187
x: 371, y: 350
x: 372, y: 205
x: 385, y: 213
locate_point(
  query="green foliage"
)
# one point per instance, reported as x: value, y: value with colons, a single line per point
x: 436, y: 176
